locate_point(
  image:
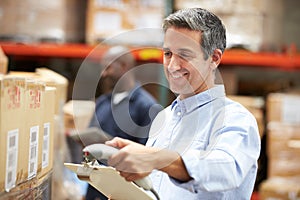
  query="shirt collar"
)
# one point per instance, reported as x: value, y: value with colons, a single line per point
x: 190, y: 103
x: 118, y: 97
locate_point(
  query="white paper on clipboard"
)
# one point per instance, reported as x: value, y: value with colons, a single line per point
x: 109, y: 182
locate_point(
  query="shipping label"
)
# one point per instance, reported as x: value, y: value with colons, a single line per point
x: 46, y: 143
x: 11, y: 159
x: 33, y: 152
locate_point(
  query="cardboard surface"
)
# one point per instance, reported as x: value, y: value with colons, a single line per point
x: 108, y: 181
x: 51, y: 79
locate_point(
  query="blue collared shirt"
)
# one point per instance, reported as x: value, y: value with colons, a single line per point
x: 219, y: 143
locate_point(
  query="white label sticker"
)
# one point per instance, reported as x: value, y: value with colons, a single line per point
x: 11, y: 159
x: 46, y: 140
x: 33, y: 152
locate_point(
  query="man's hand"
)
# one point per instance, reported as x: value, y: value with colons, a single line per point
x: 135, y: 161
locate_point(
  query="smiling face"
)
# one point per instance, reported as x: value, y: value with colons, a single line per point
x: 186, y: 70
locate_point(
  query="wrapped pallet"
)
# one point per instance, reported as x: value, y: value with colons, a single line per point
x: 107, y: 19
x: 33, y: 20
x: 251, y: 24
x: 283, y: 149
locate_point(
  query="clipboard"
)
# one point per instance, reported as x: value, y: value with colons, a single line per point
x: 109, y: 182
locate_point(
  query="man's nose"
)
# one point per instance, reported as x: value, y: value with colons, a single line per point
x: 174, y: 64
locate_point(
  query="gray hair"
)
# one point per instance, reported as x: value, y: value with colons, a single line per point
x: 198, y: 19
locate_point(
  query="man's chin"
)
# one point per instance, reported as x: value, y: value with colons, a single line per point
x: 181, y: 91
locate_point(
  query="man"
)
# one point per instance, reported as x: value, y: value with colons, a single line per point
x: 127, y: 110
x: 204, y: 145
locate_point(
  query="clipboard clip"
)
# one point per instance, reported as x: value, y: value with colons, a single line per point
x: 83, y: 172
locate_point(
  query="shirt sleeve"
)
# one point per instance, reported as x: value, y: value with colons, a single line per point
x: 232, y: 151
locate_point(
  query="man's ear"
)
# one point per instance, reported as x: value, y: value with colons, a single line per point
x: 216, y: 58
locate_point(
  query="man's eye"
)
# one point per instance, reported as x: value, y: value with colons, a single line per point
x: 167, y: 54
x: 185, y: 56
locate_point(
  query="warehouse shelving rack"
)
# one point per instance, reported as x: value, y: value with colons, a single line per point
x: 283, y: 61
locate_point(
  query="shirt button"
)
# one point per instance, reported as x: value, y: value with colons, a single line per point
x: 179, y: 113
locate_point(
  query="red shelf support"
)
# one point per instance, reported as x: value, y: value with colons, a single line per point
x: 263, y: 59
x: 46, y: 50
x: 230, y: 57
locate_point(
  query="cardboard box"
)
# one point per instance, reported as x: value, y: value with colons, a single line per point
x: 46, y: 135
x: 283, y: 107
x: 78, y: 114
x: 33, y: 116
x: 281, y: 188
x: 283, y: 149
x: 11, y: 130
x: 105, y: 20
x: 256, y: 106
x: 282, y: 137
x: 3, y: 62
x: 285, y: 164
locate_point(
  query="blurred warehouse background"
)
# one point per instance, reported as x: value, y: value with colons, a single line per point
x: 51, y: 41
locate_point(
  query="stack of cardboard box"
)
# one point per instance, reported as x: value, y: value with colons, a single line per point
x: 29, y: 106
x: 27, y: 117
x: 283, y: 147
